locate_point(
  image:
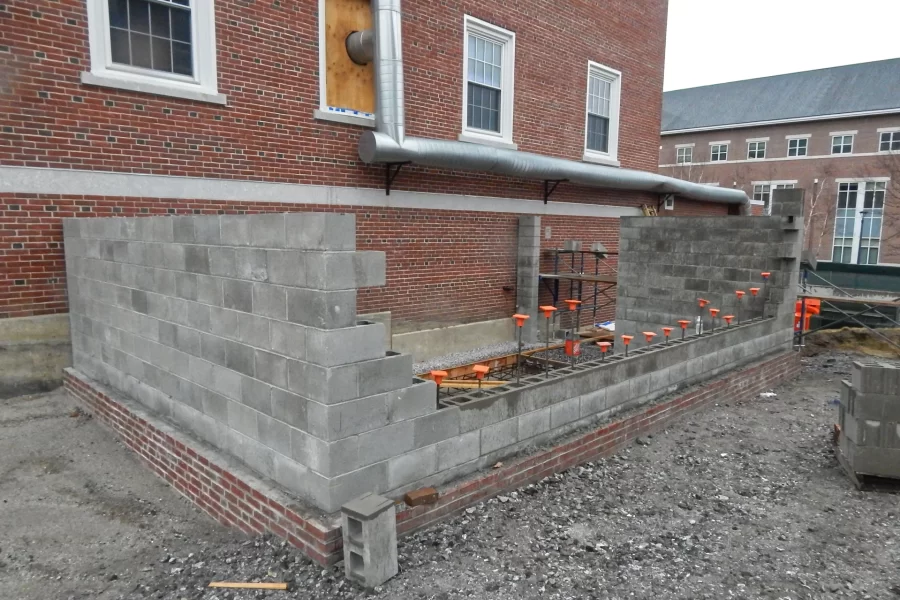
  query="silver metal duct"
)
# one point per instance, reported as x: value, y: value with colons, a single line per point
x: 389, y: 144
x: 361, y: 46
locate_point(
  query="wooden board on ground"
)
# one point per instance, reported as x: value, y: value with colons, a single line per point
x: 348, y: 85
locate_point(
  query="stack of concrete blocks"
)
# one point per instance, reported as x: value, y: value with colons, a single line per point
x: 243, y: 331
x: 369, y: 529
x: 668, y: 263
x: 869, y: 417
x: 528, y: 262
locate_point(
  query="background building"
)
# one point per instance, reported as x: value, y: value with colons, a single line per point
x: 834, y: 132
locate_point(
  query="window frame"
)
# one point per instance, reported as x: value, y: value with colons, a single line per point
x: 614, y: 77
x: 713, y: 146
x: 689, y: 148
x: 798, y: 139
x: 772, y: 185
x: 202, y: 86
x: 893, y: 134
x: 507, y: 39
x: 858, y: 216
x: 757, y: 146
x: 843, y: 135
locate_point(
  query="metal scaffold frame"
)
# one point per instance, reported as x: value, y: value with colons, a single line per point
x: 574, y: 272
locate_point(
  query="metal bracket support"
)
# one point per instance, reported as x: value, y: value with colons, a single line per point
x: 390, y: 174
x: 548, y: 189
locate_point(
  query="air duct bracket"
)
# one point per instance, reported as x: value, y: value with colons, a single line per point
x: 549, y: 189
x: 390, y: 174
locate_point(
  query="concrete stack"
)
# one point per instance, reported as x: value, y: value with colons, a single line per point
x: 869, y: 418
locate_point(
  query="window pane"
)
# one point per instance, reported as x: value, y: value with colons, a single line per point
x: 162, y: 54
x: 139, y: 16
x: 598, y: 133
x: 140, y: 50
x: 182, y: 59
x: 159, y: 20
x: 181, y: 25
x: 118, y: 13
x: 483, y: 110
x: 118, y: 41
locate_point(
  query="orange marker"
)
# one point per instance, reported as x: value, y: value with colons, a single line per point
x: 702, y: 302
x: 604, y: 348
x: 754, y: 291
x: 548, y: 311
x: 548, y: 314
x: 438, y: 377
x: 728, y: 319
x: 573, y: 304
x: 480, y: 372
x: 714, y: 312
x: 626, y: 339
x: 740, y: 294
x: 667, y: 331
x: 649, y: 335
x: 684, y: 323
x: 765, y: 275
x: 520, y: 321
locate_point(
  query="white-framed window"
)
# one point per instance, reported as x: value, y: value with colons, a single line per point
x: 488, y: 66
x: 762, y: 192
x: 756, y: 150
x: 684, y: 155
x: 165, y: 47
x: 857, y: 222
x: 718, y: 152
x: 601, y: 139
x: 798, y: 146
x: 889, y: 142
x: 842, y: 144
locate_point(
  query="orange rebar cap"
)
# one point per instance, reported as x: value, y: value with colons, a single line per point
x: 754, y: 291
x: 438, y: 376
x: 765, y: 274
x: 728, y: 318
x: 740, y: 293
x: 667, y: 331
x: 684, y: 323
x: 573, y: 304
x: 481, y: 371
x: 627, y: 339
x: 548, y: 310
x: 649, y: 335
x: 702, y: 302
x: 520, y: 319
x: 714, y: 311
x: 604, y: 346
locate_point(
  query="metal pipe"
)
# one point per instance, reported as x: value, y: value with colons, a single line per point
x: 389, y: 144
x: 361, y: 46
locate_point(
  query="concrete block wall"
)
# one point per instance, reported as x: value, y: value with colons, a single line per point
x: 243, y: 331
x: 528, y: 263
x: 667, y: 263
x: 869, y: 417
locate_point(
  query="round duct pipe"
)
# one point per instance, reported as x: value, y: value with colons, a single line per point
x: 361, y: 46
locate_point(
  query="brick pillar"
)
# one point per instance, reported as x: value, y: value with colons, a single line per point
x: 528, y: 262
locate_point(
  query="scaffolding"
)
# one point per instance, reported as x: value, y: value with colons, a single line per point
x: 573, y: 266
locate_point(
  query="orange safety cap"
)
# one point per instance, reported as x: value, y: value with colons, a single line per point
x: 627, y: 339
x: 684, y: 323
x: 765, y: 274
x: 520, y: 319
x: 604, y: 346
x: 754, y: 291
x: 573, y: 304
x: 740, y: 294
x: 438, y: 376
x: 667, y: 331
x: 548, y: 310
x: 481, y: 371
x: 649, y: 335
x: 714, y: 311
x: 728, y: 318
x: 702, y: 302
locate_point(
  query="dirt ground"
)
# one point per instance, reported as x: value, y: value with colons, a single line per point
x: 742, y: 500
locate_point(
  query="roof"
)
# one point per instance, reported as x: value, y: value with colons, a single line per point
x: 864, y: 87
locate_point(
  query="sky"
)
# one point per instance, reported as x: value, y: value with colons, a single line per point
x: 714, y: 41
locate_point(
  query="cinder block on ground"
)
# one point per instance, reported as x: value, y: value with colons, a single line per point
x: 369, y: 529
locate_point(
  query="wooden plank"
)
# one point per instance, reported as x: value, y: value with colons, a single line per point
x: 469, y: 383
x: 576, y: 277
x: 249, y: 586
x: 851, y: 300
x: 348, y: 85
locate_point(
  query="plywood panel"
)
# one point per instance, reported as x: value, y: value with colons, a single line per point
x: 348, y: 85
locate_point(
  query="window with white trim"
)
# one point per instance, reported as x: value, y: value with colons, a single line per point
x: 162, y: 47
x: 762, y: 193
x: 684, y: 155
x: 756, y: 150
x: 798, y: 147
x: 718, y: 152
x: 489, y: 53
x: 857, y: 223
x: 602, y: 119
x: 842, y: 144
x: 890, y: 141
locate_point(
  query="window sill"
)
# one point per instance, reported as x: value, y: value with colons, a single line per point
x: 598, y: 159
x: 151, y: 87
x: 347, y: 119
x: 474, y: 138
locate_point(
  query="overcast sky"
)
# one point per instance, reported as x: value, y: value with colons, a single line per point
x: 713, y: 41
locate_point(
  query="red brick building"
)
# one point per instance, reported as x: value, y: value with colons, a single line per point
x: 833, y: 132
x: 130, y: 107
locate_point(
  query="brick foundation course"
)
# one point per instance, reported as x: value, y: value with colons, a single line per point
x: 235, y: 497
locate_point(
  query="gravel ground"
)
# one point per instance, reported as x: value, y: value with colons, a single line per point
x: 742, y: 500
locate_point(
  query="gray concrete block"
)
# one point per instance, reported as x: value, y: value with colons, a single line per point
x: 593, y: 403
x: 338, y: 421
x: 138, y: 301
x: 458, y: 450
x: 370, y: 268
x: 253, y: 330
x: 323, y: 384
x: 412, y: 466
x: 174, y: 257
x: 257, y: 395
x: 198, y: 316
x: 322, y: 309
x: 274, y: 434
x: 223, y: 322
x: 321, y: 231
x: 287, y: 267
x: 196, y: 259
x: 267, y: 230
x: 289, y: 408
x: 534, y: 423
x: 206, y: 230
x: 251, y: 264
x: 270, y: 301
x: 215, y: 405
x: 235, y: 230
x: 327, y: 458
x: 271, y: 368
x: 183, y: 229
x: 436, y: 427
x: 331, y: 347
x: 222, y: 262
x: 381, y: 444
x: 288, y: 339
x: 243, y: 420
x: 414, y: 401
x: 392, y: 372
x: 240, y: 357
x: 186, y: 285
x: 238, y: 295
x: 499, y: 435
x: 260, y: 458
x: 369, y: 527
x: 565, y: 412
